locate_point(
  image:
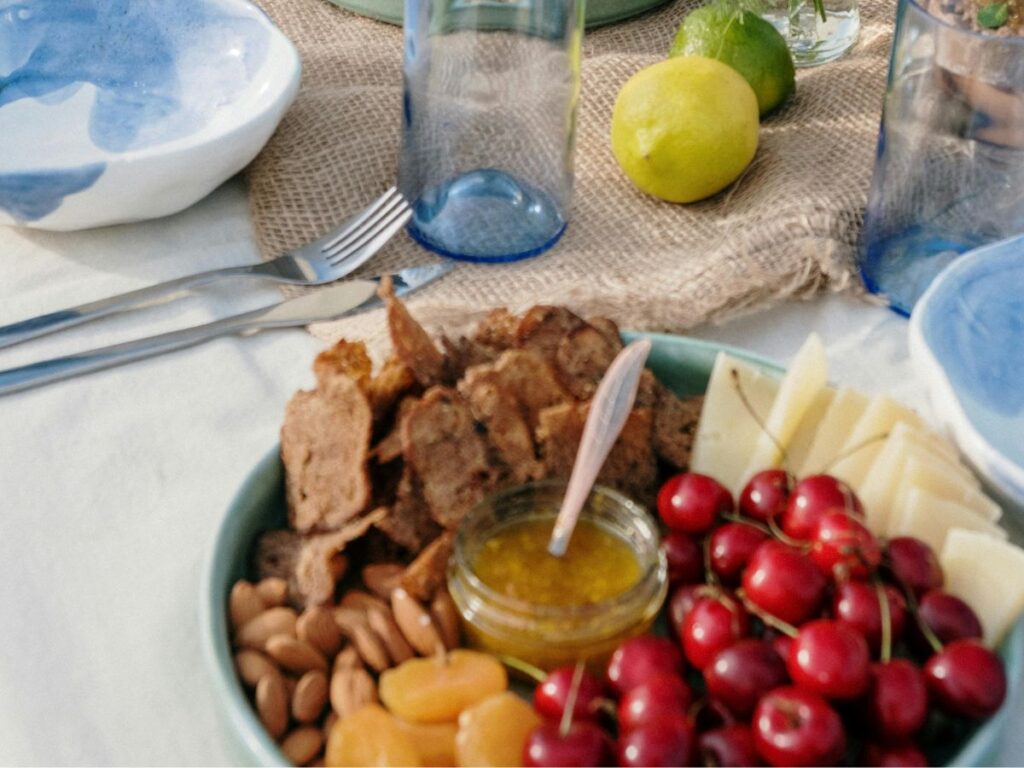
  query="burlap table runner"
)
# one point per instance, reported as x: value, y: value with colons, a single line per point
x: 788, y: 228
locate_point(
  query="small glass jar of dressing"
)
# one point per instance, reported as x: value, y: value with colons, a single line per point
x: 517, y: 600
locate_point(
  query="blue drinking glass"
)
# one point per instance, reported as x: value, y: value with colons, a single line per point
x: 489, y: 113
x: 949, y: 174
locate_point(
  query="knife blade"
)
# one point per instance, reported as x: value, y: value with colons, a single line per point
x: 334, y: 302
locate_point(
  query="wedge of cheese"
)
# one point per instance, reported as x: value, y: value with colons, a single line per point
x: 930, y: 517
x: 800, y: 446
x: 800, y: 386
x: 879, y: 491
x: 865, y: 441
x: 936, y: 477
x: 988, y: 574
x: 843, y: 413
x: 727, y: 431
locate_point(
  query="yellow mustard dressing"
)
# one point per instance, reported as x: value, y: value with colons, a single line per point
x: 598, y: 565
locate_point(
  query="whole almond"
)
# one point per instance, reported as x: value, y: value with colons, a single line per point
x: 348, y: 658
x: 350, y: 690
x: 310, y: 696
x: 244, y: 604
x: 302, y: 745
x: 317, y: 627
x: 415, y: 623
x: 382, y: 578
x: 371, y: 648
x: 252, y: 665
x: 272, y: 704
x: 348, y: 619
x: 273, y: 621
x: 362, y: 601
x: 295, y: 655
x: 383, y: 625
x: 273, y: 590
x: 446, y: 618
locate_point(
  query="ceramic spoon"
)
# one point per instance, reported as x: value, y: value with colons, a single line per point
x: 609, y: 410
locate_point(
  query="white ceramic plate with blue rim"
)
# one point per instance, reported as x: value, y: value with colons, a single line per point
x: 120, y: 110
x: 967, y: 340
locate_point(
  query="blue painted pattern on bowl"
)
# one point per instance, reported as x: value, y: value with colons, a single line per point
x: 90, y: 87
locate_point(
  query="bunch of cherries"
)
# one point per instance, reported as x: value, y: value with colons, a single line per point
x: 799, y: 639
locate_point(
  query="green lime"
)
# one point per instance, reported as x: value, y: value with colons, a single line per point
x: 744, y: 41
x: 684, y: 128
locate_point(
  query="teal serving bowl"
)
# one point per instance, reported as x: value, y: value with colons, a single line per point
x: 682, y: 364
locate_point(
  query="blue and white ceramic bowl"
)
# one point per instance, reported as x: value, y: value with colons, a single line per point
x: 967, y: 339
x: 119, y: 110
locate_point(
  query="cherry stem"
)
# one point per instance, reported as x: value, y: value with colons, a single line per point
x: 775, y: 623
x: 781, y: 535
x: 911, y: 598
x: 710, y: 577
x: 732, y: 518
x: 847, y: 454
x: 524, y: 668
x: 886, y: 615
x: 753, y: 414
x: 570, y: 700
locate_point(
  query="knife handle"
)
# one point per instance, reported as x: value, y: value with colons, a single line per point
x: 60, y: 368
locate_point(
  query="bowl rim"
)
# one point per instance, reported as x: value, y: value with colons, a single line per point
x: 239, y: 715
x: 282, y: 81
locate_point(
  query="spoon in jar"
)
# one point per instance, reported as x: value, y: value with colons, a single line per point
x: 609, y: 410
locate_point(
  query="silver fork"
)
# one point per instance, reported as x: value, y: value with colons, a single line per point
x: 330, y: 258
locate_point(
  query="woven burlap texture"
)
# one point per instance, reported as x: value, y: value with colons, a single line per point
x: 787, y: 228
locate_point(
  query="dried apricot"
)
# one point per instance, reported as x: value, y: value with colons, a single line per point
x: 494, y: 732
x: 437, y: 689
x: 434, y: 741
x: 369, y: 737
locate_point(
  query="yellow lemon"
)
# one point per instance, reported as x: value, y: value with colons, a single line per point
x: 685, y: 128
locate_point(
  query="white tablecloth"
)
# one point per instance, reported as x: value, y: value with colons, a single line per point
x: 112, y: 485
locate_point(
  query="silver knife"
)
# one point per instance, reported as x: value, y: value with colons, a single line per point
x: 347, y: 298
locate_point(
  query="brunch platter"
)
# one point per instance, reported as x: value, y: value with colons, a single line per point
x: 338, y: 634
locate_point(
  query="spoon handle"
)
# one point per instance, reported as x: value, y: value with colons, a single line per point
x: 609, y: 410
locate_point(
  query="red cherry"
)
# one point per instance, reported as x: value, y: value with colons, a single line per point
x: 685, y: 558
x: 897, y: 699
x: 843, y: 547
x: 583, y: 744
x: 829, y: 658
x: 902, y: 754
x: 551, y: 696
x: 730, y: 548
x: 664, y: 741
x: 780, y: 642
x: 641, y: 658
x: 765, y: 494
x: 730, y: 745
x: 742, y: 673
x: 967, y: 679
x: 783, y: 582
x: 662, y: 695
x: 713, y: 623
x: 856, y: 604
x: 914, y: 563
x: 796, y: 727
x: 692, y: 503
x: 681, y: 603
x: 811, y: 498
x: 949, y: 617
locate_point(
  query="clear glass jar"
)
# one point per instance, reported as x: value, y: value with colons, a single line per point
x: 815, y: 32
x: 549, y: 636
